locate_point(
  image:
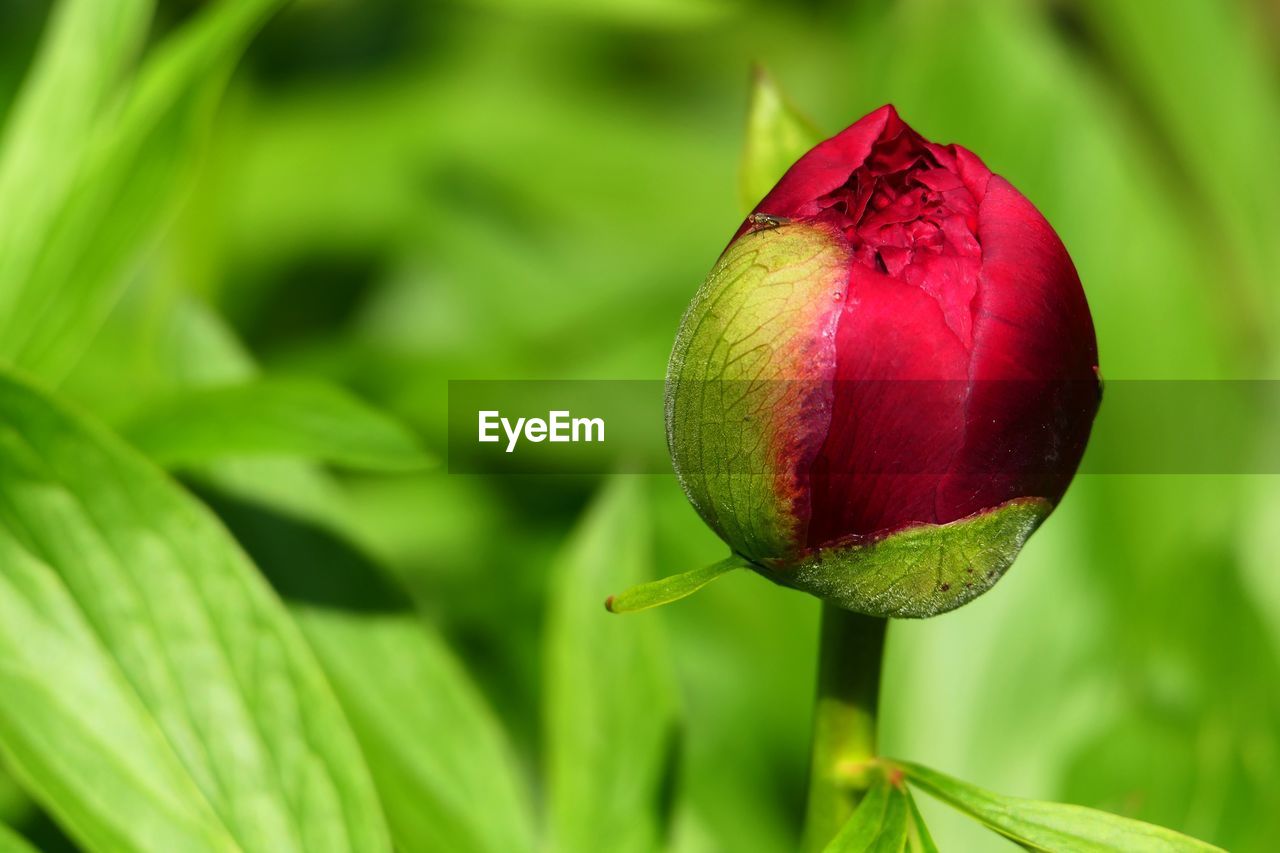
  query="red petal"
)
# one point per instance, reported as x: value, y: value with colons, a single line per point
x: 1035, y: 389
x: 897, y: 415
x: 828, y: 165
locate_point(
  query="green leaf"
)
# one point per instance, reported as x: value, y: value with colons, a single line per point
x: 393, y: 675
x: 878, y: 825
x: 79, y: 70
x: 777, y: 135
x: 609, y: 695
x: 65, y: 267
x: 12, y: 842
x: 441, y: 762
x: 14, y: 803
x: 662, y: 13
x: 1051, y: 827
x: 669, y: 589
x: 272, y: 418
x: 442, y: 765
x: 186, y: 711
x: 1226, y: 174
x: 918, y: 838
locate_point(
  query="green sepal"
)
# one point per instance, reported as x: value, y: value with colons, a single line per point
x: 673, y: 588
x: 921, y: 570
x: 749, y: 385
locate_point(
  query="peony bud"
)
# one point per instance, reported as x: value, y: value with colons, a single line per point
x: 889, y: 377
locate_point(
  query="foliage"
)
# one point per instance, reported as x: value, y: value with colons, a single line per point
x: 272, y: 654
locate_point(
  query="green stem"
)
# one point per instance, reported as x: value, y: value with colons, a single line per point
x: 844, y: 720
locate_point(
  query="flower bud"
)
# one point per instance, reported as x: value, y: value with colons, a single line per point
x: 889, y: 377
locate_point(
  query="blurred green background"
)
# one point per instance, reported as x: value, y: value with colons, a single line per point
x: 395, y: 193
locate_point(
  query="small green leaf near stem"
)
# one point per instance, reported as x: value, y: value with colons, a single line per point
x: 669, y: 589
x: 880, y: 824
x: 1038, y: 825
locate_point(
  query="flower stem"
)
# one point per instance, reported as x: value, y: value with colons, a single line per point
x: 844, y: 721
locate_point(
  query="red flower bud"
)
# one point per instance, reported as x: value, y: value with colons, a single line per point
x: 889, y: 377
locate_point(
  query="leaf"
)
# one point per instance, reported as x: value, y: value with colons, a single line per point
x: 393, y: 675
x: 918, y: 838
x: 14, y: 803
x: 65, y: 268
x: 777, y: 136
x: 272, y: 418
x: 77, y: 74
x: 648, y: 13
x: 1227, y: 173
x: 437, y: 753
x: 440, y: 759
x: 1051, y: 826
x: 83, y: 57
x: 12, y: 842
x: 878, y: 824
x: 669, y: 589
x: 185, y: 712
x: 609, y: 695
